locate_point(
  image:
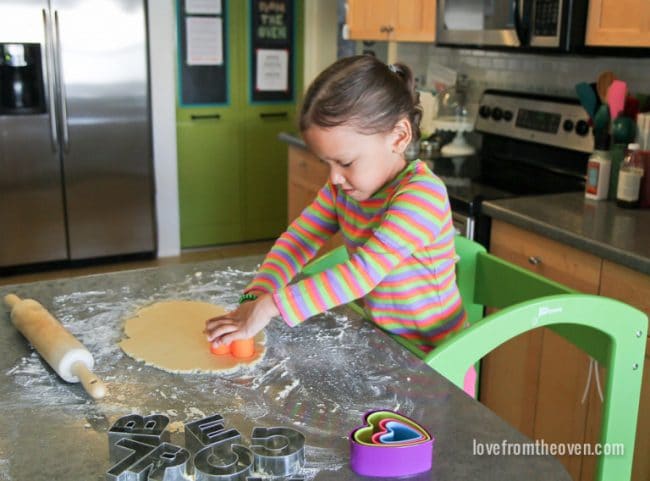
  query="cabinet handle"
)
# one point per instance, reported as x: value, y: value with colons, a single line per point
x: 271, y: 115
x: 205, y: 117
x: 534, y: 260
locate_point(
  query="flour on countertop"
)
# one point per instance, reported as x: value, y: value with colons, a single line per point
x: 320, y: 362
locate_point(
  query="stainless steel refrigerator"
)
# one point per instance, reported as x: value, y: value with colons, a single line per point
x: 76, y: 170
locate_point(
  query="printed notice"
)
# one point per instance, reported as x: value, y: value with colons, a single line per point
x: 205, y: 7
x: 204, y: 40
x: 272, y: 70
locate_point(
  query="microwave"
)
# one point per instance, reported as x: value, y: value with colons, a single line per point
x: 527, y: 24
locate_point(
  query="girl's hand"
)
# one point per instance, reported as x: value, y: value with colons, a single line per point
x: 242, y: 323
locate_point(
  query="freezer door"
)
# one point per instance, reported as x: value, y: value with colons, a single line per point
x: 32, y: 221
x: 105, y: 126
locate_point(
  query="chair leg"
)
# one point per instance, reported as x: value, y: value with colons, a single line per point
x: 620, y: 418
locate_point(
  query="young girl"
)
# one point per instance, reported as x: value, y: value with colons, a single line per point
x: 358, y: 116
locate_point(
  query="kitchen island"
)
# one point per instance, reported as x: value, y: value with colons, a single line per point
x: 319, y: 378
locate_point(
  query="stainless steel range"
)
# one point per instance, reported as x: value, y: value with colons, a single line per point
x: 531, y: 145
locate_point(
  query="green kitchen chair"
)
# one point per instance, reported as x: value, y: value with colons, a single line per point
x: 611, y: 332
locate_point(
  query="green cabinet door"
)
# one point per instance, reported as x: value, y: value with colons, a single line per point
x: 264, y: 184
x: 209, y: 177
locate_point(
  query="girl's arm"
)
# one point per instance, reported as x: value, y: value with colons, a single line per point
x: 416, y: 217
x: 299, y: 244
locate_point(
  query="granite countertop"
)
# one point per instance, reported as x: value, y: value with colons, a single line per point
x: 600, y: 228
x: 319, y: 378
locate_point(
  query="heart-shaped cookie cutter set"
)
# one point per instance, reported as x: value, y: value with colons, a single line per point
x: 390, y: 444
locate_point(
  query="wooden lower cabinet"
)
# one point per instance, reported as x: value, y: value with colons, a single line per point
x: 307, y: 174
x: 547, y: 375
x: 537, y: 381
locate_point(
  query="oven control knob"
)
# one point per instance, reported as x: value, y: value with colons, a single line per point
x: 568, y: 125
x: 484, y: 111
x: 507, y: 115
x: 497, y: 113
x: 582, y: 127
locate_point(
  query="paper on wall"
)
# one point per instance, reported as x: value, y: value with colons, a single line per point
x: 204, y: 40
x: 211, y: 7
x: 272, y: 70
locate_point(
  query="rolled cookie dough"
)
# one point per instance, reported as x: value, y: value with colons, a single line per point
x: 169, y: 335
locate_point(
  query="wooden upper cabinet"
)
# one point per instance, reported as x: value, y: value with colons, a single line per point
x: 618, y: 23
x: 392, y: 20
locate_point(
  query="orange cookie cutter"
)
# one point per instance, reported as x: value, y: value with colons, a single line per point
x: 241, y: 348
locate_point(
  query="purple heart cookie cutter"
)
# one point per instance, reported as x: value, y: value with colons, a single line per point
x: 392, y: 459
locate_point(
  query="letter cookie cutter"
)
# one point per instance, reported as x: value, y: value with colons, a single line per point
x: 207, y: 432
x: 145, y: 429
x: 143, y: 462
x: 218, y: 454
x: 278, y: 451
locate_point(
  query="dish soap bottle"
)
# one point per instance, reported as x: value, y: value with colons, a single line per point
x: 629, y: 179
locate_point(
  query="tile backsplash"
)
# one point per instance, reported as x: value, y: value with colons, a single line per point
x: 549, y: 74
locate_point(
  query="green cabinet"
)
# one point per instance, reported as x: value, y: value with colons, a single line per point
x: 232, y: 168
x: 265, y: 170
x: 209, y: 177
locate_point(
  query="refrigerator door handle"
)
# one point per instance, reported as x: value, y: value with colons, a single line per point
x: 62, y: 97
x: 54, y: 136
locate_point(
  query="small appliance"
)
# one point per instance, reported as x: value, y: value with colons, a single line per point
x: 532, y: 24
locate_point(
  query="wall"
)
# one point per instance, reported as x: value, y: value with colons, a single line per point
x: 162, y: 68
x: 320, y: 37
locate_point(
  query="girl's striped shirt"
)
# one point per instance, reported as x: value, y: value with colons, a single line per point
x: 402, y: 258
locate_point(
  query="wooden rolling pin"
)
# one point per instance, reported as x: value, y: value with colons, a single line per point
x: 67, y: 356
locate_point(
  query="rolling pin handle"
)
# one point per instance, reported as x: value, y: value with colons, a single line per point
x: 91, y: 383
x: 12, y: 300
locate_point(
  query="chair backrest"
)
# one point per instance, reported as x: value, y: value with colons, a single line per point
x: 466, y: 268
x: 608, y: 330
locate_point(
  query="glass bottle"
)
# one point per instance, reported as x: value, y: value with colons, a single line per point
x: 629, y: 179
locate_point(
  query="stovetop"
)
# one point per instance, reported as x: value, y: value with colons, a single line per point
x: 531, y: 145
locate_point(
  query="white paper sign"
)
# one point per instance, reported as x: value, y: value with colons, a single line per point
x: 204, y: 40
x: 272, y: 70
x: 210, y: 7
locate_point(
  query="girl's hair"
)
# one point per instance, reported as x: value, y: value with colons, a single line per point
x: 364, y: 92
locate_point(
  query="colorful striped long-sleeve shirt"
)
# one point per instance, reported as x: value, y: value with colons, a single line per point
x: 402, y: 258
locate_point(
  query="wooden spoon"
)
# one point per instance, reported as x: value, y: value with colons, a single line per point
x: 605, y: 79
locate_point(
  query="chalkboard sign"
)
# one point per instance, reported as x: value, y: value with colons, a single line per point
x: 272, y: 53
x: 203, y: 60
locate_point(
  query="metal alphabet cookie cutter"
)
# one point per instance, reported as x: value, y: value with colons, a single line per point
x: 278, y: 451
x: 143, y: 462
x: 219, y: 456
x: 138, y: 447
x: 217, y: 452
x: 145, y: 429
